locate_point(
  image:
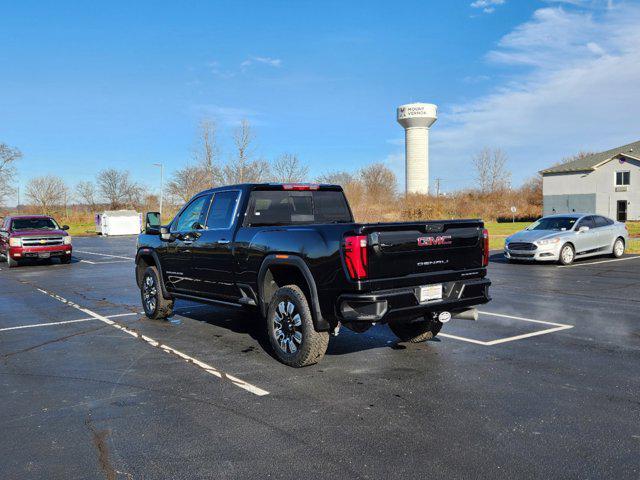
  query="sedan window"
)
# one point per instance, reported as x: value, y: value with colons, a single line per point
x: 553, y: 223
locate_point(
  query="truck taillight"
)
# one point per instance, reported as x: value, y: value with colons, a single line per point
x: 355, y: 255
x: 485, y: 248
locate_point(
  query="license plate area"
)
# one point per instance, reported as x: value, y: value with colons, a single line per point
x: 429, y: 293
x: 44, y: 254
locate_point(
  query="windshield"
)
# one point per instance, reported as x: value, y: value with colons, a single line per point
x: 34, y: 224
x: 553, y: 223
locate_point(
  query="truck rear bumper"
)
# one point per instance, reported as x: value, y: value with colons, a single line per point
x: 386, y: 305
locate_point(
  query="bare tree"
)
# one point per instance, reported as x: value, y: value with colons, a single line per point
x: 117, y: 188
x: 241, y: 169
x: 207, y: 153
x: 188, y: 181
x: 578, y: 156
x: 46, y: 192
x: 379, y: 183
x: 87, y: 194
x: 336, y: 178
x: 8, y: 157
x: 492, y: 174
x: 288, y: 169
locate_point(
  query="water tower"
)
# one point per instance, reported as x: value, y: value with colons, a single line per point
x: 416, y: 118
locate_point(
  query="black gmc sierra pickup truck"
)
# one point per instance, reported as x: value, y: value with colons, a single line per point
x: 293, y: 252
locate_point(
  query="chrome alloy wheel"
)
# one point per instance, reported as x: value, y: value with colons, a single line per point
x: 287, y: 327
x: 567, y: 254
x: 618, y: 248
x: 149, y: 292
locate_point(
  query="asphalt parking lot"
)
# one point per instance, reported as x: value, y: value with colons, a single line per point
x: 545, y: 384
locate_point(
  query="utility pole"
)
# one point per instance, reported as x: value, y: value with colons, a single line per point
x: 161, y: 184
x: 438, y: 186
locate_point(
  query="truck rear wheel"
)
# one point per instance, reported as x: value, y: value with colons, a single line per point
x: 155, y: 305
x: 292, y: 335
x: 415, y: 332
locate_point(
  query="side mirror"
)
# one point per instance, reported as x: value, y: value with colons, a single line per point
x: 165, y: 234
x: 65, y: 227
x: 152, y: 223
x: 583, y: 229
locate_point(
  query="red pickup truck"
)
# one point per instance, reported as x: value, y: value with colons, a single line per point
x: 35, y: 237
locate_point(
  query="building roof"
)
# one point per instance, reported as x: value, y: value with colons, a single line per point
x: 591, y: 162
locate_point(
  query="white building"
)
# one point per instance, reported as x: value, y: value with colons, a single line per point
x: 606, y: 183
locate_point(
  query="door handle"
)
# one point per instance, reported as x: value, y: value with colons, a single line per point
x: 223, y: 241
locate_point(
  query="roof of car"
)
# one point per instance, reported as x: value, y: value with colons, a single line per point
x: 267, y: 185
x: 570, y: 215
x: 14, y: 217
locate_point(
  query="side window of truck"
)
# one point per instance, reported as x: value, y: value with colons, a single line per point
x: 222, y: 210
x: 194, y: 212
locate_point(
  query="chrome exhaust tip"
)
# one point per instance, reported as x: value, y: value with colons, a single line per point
x: 471, y: 314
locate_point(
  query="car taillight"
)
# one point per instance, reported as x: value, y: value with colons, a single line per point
x: 299, y: 186
x: 485, y: 248
x: 355, y: 255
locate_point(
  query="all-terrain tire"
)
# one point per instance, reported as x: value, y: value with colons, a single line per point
x: 290, y: 329
x: 567, y: 254
x: 154, y: 304
x: 618, y: 248
x: 415, y: 332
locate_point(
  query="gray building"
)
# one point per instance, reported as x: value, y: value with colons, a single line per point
x: 605, y: 183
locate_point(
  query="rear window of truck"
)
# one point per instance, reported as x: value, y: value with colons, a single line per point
x: 274, y: 207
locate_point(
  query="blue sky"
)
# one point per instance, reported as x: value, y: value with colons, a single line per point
x: 86, y: 86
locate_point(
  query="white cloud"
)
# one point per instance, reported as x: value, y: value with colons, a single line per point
x: 487, y: 6
x: 577, y: 87
x: 271, y: 62
x: 230, y: 116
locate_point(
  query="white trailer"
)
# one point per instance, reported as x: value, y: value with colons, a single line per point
x: 118, y: 222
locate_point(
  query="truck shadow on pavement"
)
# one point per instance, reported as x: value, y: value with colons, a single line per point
x: 246, y: 322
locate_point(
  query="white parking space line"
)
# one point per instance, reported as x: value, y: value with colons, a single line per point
x: 165, y: 348
x: 104, y: 254
x: 64, y: 322
x: 108, y: 262
x: 556, y: 328
x: 598, y: 262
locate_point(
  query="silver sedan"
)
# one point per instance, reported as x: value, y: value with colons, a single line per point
x: 563, y: 238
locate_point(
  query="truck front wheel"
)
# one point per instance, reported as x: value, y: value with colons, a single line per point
x: 292, y: 335
x: 154, y: 304
x: 11, y: 263
x: 416, y: 331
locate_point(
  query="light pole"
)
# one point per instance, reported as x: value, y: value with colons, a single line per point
x: 161, y: 184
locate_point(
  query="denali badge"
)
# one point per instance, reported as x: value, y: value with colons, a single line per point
x: 429, y: 241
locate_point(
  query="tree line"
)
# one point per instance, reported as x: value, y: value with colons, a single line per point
x: 371, y: 190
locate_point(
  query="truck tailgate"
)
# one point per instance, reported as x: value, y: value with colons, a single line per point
x: 399, y: 249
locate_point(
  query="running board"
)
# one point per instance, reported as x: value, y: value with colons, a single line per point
x: 184, y: 296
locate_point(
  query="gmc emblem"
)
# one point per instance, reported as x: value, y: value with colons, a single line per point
x: 430, y: 241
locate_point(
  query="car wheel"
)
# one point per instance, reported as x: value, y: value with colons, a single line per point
x: 290, y: 328
x: 153, y: 302
x: 11, y: 262
x: 618, y: 248
x: 65, y: 259
x: 567, y: 254
x: 415, y: 332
